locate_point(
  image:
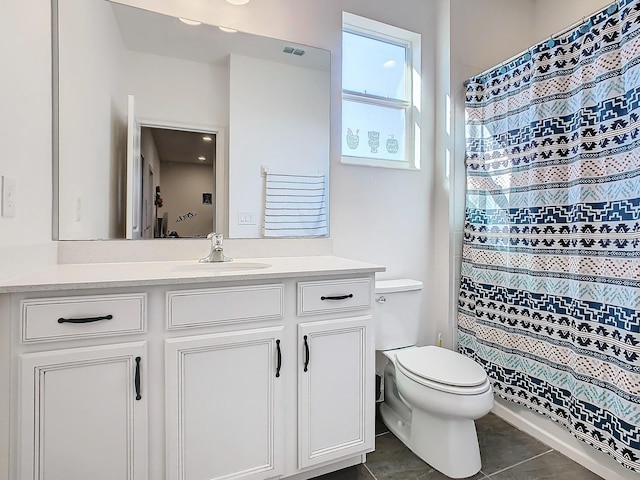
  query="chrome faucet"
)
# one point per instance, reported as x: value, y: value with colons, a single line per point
x: 216, y: 254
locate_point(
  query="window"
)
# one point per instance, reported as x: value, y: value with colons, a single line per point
x: 380, y: 94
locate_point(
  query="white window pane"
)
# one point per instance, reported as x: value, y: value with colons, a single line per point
x: 373, y: 66
x: 371, y: 131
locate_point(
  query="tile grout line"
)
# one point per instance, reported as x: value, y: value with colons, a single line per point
x: 370, y: 472
x: 520, y: 463
x: 383, y: 433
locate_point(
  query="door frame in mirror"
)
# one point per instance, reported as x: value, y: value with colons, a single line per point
x: 221, y: 197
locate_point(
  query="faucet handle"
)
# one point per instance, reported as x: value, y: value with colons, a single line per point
x: 216, y: 239
x: 215, y: 255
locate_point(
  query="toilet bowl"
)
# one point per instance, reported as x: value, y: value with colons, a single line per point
x: 435, y: 417
x: 431, y: 395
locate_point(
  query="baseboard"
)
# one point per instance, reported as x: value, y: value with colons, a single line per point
x: 558, y: 438
x: 332, y: 467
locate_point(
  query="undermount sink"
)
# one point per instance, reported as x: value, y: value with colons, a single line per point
x: 232, y: 266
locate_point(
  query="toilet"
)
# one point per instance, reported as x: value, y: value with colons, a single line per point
x: 432, y: 395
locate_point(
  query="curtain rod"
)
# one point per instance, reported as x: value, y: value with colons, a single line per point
x: 555, y: 35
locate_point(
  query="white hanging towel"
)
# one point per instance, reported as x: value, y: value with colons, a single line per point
x: 295, y: 205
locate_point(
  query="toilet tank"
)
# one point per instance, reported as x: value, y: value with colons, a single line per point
x: 397, y: 313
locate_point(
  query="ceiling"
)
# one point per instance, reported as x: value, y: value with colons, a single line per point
x: 159, y: 34
x: 182, y: 146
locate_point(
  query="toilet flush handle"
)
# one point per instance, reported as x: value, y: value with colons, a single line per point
x: 381, y: 299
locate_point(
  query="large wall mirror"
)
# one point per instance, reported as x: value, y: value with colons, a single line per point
x: 167, y: 129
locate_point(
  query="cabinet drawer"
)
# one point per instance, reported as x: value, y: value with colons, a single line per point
x: 214, y: 306
x: 63, y: 318
x: 333, y: 296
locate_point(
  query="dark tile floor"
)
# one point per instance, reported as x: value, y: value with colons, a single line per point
x: 507, y: 454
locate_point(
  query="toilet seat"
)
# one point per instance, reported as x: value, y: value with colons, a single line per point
x: 443, y: 370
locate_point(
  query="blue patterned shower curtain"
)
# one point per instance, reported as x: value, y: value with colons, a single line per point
x: 550, y: 286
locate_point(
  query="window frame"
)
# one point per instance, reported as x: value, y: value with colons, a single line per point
x: 411, y: 42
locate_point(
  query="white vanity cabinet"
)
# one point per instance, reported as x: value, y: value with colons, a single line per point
x: 226, y: 392
x: 224, y: 412
x: 335, y: 392
x: 336, y: 376
x: 82, y: 409
x: 228, y: 377
x: 83, y: 414
x: 224, y: 405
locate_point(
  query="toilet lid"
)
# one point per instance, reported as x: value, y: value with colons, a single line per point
x: 442, y: 366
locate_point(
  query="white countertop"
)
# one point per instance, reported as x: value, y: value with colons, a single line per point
x: 105, y: 275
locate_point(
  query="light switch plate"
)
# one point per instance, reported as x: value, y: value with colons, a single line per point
x: 246, y: 218
x: 8, y: 197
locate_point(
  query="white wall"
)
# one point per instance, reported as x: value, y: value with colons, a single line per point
x: 25, y: 138
x: 552, y: 16
x: 25, y: 156
x: 181, y: 91
x: 279, y: 120
x: 92, y: 112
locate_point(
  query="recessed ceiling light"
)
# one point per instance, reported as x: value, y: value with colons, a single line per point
x: 389, y: 64
x: 207, y: 138
x: 238, y: 2
x: 189, y: 22
x: 228, y: 30
x: 202, y: 159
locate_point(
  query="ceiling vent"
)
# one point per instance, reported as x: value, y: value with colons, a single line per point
x: 293, y: 50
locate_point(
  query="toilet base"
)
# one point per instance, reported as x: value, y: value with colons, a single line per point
x: 448, y: 444
x: 453, y: 450
x: 397, y: 425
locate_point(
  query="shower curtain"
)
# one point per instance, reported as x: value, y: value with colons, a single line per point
x: 549, y: 299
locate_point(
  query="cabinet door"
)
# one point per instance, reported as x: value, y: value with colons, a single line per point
x: 336, y: 379
x: 224, y: 406
x: 83, y: 414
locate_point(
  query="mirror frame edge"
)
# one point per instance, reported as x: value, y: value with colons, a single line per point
x: 55, y: 131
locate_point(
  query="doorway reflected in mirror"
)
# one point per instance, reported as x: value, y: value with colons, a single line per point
x: 180, y: 166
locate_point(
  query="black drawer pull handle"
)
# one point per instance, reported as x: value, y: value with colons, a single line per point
x: 84, y: 320
x: 137, y: 379
x: 338, y: 297
x: 306, y: 354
